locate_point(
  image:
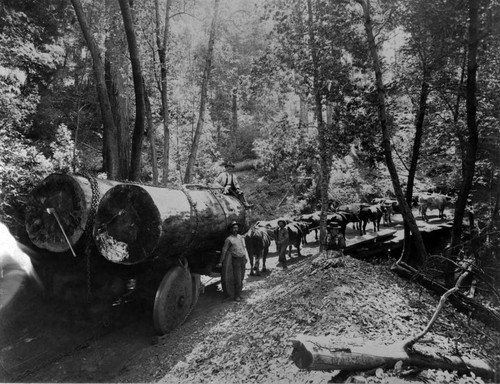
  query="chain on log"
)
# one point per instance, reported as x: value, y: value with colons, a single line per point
x: 69, y: 199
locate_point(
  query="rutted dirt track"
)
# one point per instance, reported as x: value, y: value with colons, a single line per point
x: 225, y: 341
x: 40, y: 341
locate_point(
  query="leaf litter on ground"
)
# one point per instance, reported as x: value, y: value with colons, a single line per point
x: 352, y: 304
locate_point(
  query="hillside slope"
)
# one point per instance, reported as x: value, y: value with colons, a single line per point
x: 355, y: 303
x: 272, y: 198
x: 352, y: 180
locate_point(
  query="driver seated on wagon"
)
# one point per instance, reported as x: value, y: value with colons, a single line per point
x: 229, y: 182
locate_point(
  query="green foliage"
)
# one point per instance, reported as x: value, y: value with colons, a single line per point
x: 206, y: 167
x: 15, y: 107
x: 237, y: 48
x: 268, y: 60
x: 46, y: 19
x: 287, y: 151
x: 64, y: 154
x: 444, y: 377
x: 28, y: 43
x: 21, y: 167
x: 29, y: 57
x: 247, y: 133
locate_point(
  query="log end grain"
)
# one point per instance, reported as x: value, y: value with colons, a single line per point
x: 69, y: 198
x: 127, y: 225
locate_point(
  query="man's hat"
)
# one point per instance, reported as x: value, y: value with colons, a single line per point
x: 228, y: 164
x: 333, y: 226
x: 282, y: 221
x: 233, y: 223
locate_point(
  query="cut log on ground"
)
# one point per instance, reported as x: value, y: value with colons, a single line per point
x: 321, y: 354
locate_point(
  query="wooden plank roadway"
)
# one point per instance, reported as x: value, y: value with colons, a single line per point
x: 388, y: 238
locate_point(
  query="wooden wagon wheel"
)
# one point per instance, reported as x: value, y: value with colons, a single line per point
x: 227, y: 276
x: 173, y: 300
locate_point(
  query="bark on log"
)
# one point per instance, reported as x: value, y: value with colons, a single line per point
x: 71, y: 198
x: 319, y: 354
x: 135, y: 223
x: 461, y: 302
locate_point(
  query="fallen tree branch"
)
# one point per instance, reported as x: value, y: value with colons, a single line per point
x: 319, y: 354
x: 442, y: 301
x: 464, y: 304
x: 283, y: 199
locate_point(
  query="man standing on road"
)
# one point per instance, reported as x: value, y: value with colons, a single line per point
x: 229, y: 182
x: 335, y: 240
x: 282, y: 239
x: 235, y: 247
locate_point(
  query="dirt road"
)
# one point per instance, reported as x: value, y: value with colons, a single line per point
x: 222, y: 340
x: 40, y: 341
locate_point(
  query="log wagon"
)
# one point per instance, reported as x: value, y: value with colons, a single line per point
x: 123, y: 237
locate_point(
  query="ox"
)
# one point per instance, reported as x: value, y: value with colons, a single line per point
x: 371, y: 213
x: 272, y: 224
x: 341, y: 219
x: 15, y: 266
x: 312, y: 220
x: 257, y: 240
x: 295, y: 235
x: 389, y: 207
x: 353, y: 208
x: 435, y: 201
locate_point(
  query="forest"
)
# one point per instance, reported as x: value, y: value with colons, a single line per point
x: 345, y: 101
x: 329, y: 102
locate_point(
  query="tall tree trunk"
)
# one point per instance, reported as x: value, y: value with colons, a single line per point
x: 234, y: 116
x: 459, y: 131
x: 138, y: 135
x: 472, y: 140
x: 110, y: 149
x: 151, y: 137
x: 303, y: 118
x: 325, y: 147
x: 417, y: 141
x: 203, y: 99
x: 496, y: 208
x: 329, y: 114
x: 178, y: 152
x: 119, y: 104
x: 115, y: 49
x: 219, y: 132
x: 162, y: 46
x: 386, y: 143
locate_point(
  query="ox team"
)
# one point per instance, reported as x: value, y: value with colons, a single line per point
x: 286, y: 233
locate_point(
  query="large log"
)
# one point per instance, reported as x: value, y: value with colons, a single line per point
x: 135, y: 223
x: 68, y: 199
x: 321, y: 354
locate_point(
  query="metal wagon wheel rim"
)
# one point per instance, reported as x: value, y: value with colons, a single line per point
x: 174, y: 300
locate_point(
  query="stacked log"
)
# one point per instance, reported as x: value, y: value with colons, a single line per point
x: 62, y: 200
x: 135, y: 223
